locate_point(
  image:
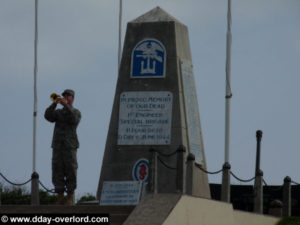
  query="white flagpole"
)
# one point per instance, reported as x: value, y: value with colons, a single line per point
x: 35, y: 86
x: 120, y: 33
x: 35, y: 176
x: 225, y: 192
x: 228, y: 84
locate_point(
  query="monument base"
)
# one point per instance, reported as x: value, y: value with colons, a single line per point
x: 175, y: 209
x: 157, y: 209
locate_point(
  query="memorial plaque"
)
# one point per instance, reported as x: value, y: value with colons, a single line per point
x: 191, y: 107
x: 145, y: 118
x: 121, y: 193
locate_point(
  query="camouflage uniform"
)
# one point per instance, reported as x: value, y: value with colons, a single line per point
x: 64, y: 144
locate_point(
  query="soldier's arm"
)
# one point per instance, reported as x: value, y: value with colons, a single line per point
x: 74, y: 115
x: 50, y: 114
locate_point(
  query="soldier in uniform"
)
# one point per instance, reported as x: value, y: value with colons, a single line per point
x: 64, y: 145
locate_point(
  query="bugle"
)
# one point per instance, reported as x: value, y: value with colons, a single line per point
x: 55, y: 97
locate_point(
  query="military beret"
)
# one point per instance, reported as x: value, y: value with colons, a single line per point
x: 68, y: 92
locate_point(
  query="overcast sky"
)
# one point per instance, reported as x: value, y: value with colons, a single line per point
x: 77, y: 49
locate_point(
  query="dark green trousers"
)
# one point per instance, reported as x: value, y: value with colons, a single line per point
x: 64, y: 169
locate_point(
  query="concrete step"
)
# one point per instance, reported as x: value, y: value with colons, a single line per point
x: 118, y: 214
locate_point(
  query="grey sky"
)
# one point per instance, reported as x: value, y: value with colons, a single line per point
x: 78, y: 42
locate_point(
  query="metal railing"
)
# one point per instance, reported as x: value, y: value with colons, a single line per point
x: 34, y: 178
x: 185, y: 163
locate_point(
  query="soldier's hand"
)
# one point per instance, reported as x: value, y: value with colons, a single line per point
x: 63, y: 101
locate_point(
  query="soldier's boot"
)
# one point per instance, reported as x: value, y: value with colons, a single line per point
x: 60, y: 199
x: 70, y: 199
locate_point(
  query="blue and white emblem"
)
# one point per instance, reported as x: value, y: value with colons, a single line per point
x: 148, y: 59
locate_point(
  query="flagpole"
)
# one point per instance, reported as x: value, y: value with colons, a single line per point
x: 35, y: 176
x: 35, y: 86
x: 225, y: 192
x: 228, y: 84
x: 120, y: 33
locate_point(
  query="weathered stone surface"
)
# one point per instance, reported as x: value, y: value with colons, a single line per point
x: 154, y: 209
x: 172, y: 209
x: 155, y: 15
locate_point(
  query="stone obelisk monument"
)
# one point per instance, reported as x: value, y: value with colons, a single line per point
x: 155, y: 110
